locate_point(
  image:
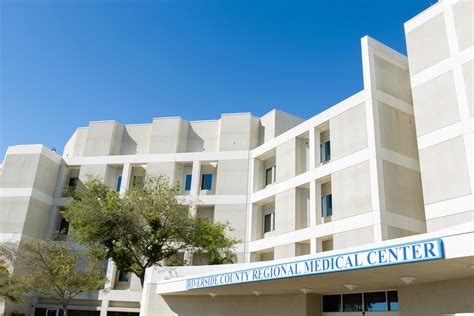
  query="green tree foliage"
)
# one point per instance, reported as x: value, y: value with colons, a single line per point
x: 11, y: 288
x: 146, y: 227
x: 54, y: 269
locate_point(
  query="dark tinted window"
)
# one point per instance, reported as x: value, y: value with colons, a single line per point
x: 206, y: 183
x: 187, y: 182
x: 269, y: 176
x: 73, y: 182
x: 392, y: 300
x: 375, y: 301
x: 40, y: 311
x: 331, y: 303
x: 268, y: 223
x: 352, y: 302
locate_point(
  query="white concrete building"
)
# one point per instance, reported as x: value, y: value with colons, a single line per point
x: 376, y: 190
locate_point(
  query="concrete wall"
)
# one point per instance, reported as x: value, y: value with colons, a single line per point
x: 435, y: 104
x: 392, y: 79
x: 348, y: 132
x: 285, y: 215
x: 427, y: 44
x: 249, y: 305
x: 236, y: 132
x: 136, y: 139
x: 168, y: 135
x: 398, y: 133
x: 403, y: 191
x: 235, y: 215
x: 202, y: 136
x: 353, y: 237
x: 232, y: 177
x: 76, y: 144
x: 33, y: 168
x: 444, y: 171
x: 351, y: 191
x: 103, y: 138
x: 286, y: 160
x: 275, y: 123
x: 437, y: 298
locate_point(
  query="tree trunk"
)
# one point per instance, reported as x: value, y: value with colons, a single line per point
x: 65, y: 309
x: 142, y: 278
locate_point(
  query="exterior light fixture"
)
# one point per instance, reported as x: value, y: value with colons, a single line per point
x: 407, y: 279
x: 257, y: 293
x: 213, y: 294
x: 305, y: 291
x: 351, y: 286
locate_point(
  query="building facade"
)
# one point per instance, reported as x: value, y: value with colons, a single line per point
x: 388, y: 169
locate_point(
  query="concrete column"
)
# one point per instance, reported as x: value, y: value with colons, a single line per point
x: 196, y: 179
x: 53, y: 221
x: 126, y: 174
x: 312, y: 211
x: 104, y: 306
x: 312, y: 148
x: 317, y: 147
x: 62, y: 175
x: 111, y: 273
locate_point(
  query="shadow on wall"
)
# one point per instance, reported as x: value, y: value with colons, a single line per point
x: 129, y: 145
x: 248, y: 305
x: 195, y: 143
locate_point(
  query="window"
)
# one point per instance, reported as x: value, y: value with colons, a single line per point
x: 332, y: 303
x: 138, y: 181
x: 322, y: 206
x: 352, y: 302
x: 119, y: 183
x: 123, y: 277
x: 327, y: 245
x: 392, y: 300
x: 327, y: 150
x: 73, y: 182
x: 187, y: 182
x: 269, y: 222
x: 270, y: 175
x: 326, y: 205
x: 372, y: 302
x: 63, y: 229
x: 375, y: 301
x: 320, y: 153
x: 206, y: 182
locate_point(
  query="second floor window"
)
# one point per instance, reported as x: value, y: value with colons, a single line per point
x: 73, y: 182
x: 206, y: 182
x: 187, y: 182
x: 119, y: 183
x: 326, y: 205
x: 123, y: 277
x: 325, y: 152
x: 269, y: 222
x: 63, y: 229
x: 270, y: 175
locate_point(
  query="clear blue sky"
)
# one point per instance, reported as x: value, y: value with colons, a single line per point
x: 65, y: 63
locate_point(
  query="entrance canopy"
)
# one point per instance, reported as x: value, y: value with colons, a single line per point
x: 428, y: 257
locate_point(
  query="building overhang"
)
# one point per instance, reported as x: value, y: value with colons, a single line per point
x: 442, y: 255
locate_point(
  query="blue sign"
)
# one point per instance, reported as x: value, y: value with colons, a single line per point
x: 404, y: 253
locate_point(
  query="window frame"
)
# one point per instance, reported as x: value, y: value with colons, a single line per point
x: 272, y: 171
x: 186, y: 177
x: 203, y: 181
x: 272, y: 222
x: 119, y: 184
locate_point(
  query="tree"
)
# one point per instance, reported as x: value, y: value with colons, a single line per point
x: 55, y: 269
x: 11, y: 287
x: 147, y: 227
